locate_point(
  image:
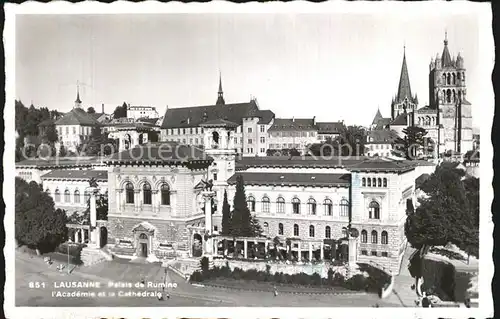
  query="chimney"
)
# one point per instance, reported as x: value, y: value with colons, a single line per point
x: 102, y: 108
x: 293, y: 119
x: 314, y: 120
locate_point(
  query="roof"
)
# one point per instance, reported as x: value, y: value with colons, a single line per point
x: 219, y: 123
x: 293, y: 125
x: 72, y: 174
x: 77, y: 116
x: 141, y: 106
x: 426, y: 110
x: 292, y: 179
x: 161, y: 153
x: 194, y: 116
x: 465, y: 102
x: 404, y: 89
x: 148, y: 120
x: 330, y: 127
x: 58, y: 162
x: 445, y: 57
x: 383, y: 123
x: 382, y: 165
x: 400, y: 120
x: 298, y: 161
x: 381, y: 136
x: 377, y: 117
x: 265, y: 116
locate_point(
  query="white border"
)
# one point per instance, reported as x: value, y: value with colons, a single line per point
x: 485, y: 43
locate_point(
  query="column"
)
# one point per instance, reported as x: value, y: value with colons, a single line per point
x: 310, y: 251
x: 82, y: 236
x: 265, y: 246
x: 299, y: 251
x: 136, y: 200
x: 353, y: 253
x: 93, y: 218
x: 75, y: 236
x: 208, y: 195
x: 154, y: 202
x: 245, y: 249
x: 226, y: 248
x: 119, y: 199
x: 321, y: 252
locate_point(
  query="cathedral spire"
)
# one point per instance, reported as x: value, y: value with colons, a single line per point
x: 445, y: 57
x: 78, y: 102
x: 220, y: 94
x: 404, y: 90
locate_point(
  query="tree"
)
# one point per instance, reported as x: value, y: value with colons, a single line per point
x: 241, y: 217
x: 37, y: 223
x: 352, y: 141
x: 226, y: 216
x: 98, y: 143
x: 91, y: 110
x: 255, y: 226
x: 101, y: 203
x: 327, y: 148
x: 412, y: 141
x: 50, y: 135
x: 62, y: 151
x: 120, y: 111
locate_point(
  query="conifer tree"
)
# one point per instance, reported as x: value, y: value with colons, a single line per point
x: 226, y: 216
x: 241, y: 217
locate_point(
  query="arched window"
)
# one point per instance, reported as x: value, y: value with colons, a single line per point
x: 165, y: 194
x: 328, y: 232
x: 280, y: 205
x: 251, y: 203
x: 364, y: 182
x: 379, y: 180
x: 311, y: 206
x: 266, y: 203
x: 86, y: 196
x: 296, y: 205
x: 266, y: 228
x: 146, y: 194
x: 374, y: 182
x: 296, y: 230
x: 458, y: 76
x: 57, y: 195
x: 463, y: 76
x: 129, y: 193
x: 311, y: 231
x: 67, y: 196
x: 384, y: 238
x: 77, y: 196
x: 448, y: 96
x: 364, y: 236
x: 143, y: 236
x: 385, y: 182
x: 374, y: 237
x: 374, y: 210
x: 280, y: 229
x: 369, y: 182
x: 454, y: 78
x: 328, y: 207
x: 344, y: 208
x: 448, y: 79
x: 444, y: 78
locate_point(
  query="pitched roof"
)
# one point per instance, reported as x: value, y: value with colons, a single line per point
x: 404, y: 89
x: 329, y: 127
x: 58, y: 162
x: 382, y: 165
x: 381, y: 136
x: 445, y: 57
x: 402, y: 119
x: 298, y: 161
x: 219, y: 123
x: 293, y: 125
x: 292, y: 179
x: 383, y: 123
x: 377, y: 117
x: 148, y: 120
x: 161, y: 153
x: 77, y: 116
x: 265, y: 116
x: 72, y: 174
x: 194, y: 116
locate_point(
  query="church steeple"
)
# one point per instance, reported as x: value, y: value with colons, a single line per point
x: 78, y: 102
x: 404, y: 89
x: 220, y: 94
x: 446, y: 57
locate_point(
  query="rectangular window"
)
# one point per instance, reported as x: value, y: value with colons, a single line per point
x: 184, y: 131
x: 201, y: 130
x: 215, y: 176
x: 262, y: 129
x: 262, y: 150
x: 249, y: 130
x: 364, y: 252
x: 190, y: 130
x: 262, y: 139
x: 191, y: 141
x: 385, y: 254
x: 67, y: 130
x: 235, y: 140
x: 374, y: 253
x: 184, y: 141
x: 74, y: 130
x: 241, y: 140
x: 250, y: 141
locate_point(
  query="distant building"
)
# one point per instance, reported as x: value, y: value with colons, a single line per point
x: 292, y: 134
x: 380, y: 142
x: 139, y: 111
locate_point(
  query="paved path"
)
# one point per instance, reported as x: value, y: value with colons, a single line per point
x: 402, y: 292
x: 184, y: 295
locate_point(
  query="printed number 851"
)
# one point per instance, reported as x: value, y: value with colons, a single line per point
x: 36, y: 284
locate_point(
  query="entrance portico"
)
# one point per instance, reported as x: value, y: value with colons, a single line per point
x: 143, y: 240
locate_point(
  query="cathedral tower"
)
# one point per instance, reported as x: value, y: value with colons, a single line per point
x: 447, y: 93
x: 220, y: 94
x: 404, y: 101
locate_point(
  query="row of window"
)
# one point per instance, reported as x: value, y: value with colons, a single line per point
x: 293, y: 134
x: 451, y: 78
x: 261, y: 127
x: 296, y: 232
x: 312, y: 206
x: 384, y: 237
x: 380, y: 146
x: 374, y: 253
x: 191, y: 130
x: 250, y: 141
x: 147, y: 194
x: 83, y: 130
x: 284, y: 146
x: 67, y: 196
x: 427, y: 120
x: 374, y: 182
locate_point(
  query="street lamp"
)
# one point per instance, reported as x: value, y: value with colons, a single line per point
x: 67, y: 245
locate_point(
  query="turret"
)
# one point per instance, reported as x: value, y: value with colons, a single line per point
x: 460, y: 61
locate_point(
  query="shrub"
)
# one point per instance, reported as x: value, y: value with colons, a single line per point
x: 196, y: 276
x: 204, y: 264
x: 330, y: 274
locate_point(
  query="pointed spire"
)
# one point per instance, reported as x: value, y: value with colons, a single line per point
x: 377, y: 117
x: 78, y: 102
x: 445, y: 57
x: 404, y: 89
x: 220, y: 94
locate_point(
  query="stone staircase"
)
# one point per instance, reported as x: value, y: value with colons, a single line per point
x: 91, y: 256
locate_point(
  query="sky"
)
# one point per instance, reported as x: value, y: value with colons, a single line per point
x: 334, y: 66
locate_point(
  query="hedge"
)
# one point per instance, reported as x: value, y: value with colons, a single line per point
x: 357, y: 282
